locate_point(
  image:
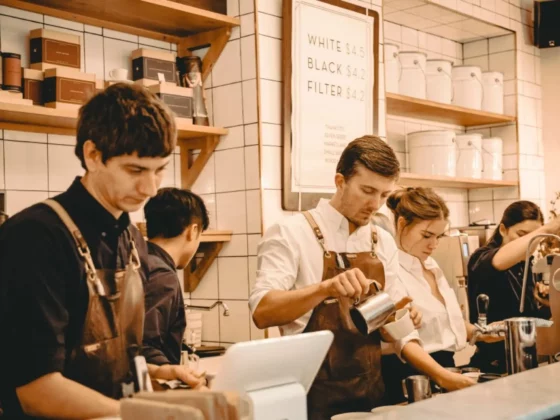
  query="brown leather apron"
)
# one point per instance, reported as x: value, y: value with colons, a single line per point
x: 114, y: 322
x: 350, y: 377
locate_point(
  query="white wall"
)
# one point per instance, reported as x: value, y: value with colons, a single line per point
x: 550, y: 72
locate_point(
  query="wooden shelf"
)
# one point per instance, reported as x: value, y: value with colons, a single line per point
x: 405, y: 106
x: 414, y: 180
x: 207, y: 236
x: 38, y: 119
x: 211, y: 244
x: 160, y: 19
x: 216, y: 236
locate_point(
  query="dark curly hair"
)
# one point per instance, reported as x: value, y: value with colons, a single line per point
x: 124, y: 119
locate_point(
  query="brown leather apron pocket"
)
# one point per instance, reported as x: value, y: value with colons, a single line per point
x: 349, y: 358
x: 101, y: 320
x: 92, y: 360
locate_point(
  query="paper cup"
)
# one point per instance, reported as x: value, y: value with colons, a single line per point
x: 402, y: 326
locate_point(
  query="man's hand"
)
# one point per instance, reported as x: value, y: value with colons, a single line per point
x: 182, y: 373
x: 351, y: 283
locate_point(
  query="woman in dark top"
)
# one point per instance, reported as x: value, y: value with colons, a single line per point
x: 496, y: 270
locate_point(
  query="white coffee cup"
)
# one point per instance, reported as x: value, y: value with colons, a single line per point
x: 402, y: 326
x: 118, y: 74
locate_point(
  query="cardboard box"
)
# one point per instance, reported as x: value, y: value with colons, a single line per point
x: 99, y: 85
x: 147, y: 64
x: 33, y: 85
x: 178, y: 99
x: 66, y: 86
x: 10, y: 97
x: 50, y: 49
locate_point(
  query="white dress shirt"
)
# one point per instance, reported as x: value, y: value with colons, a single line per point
x: 291, y: 258
x: 443, y: 326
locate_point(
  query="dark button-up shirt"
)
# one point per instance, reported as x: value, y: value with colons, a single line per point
x: 165, y: 323
x: 43, y: 289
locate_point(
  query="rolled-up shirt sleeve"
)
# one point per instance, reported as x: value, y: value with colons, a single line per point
x: 396, y: 291
x: 277, y: 264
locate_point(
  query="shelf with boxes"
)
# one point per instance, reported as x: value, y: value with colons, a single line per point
x: 47, y: 96
x: 158, y: 19
x: 166, y: 20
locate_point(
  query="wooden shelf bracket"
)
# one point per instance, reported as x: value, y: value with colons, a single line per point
x: 194, y: 273
x: 191, y: 167
x: 216, y: 40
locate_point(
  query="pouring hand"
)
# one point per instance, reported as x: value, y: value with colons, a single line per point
x: 351, y: 283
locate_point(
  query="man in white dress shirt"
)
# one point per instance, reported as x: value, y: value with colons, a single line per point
x: 331, y: 254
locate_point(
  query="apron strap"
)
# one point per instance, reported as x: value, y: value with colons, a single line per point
x: 373, y: 240
x: 81, y: 243
x: 134, y: 258
x: 317, y: 232
x: 321, y: 238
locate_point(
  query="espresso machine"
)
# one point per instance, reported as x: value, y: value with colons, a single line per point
x: 452, y: 256
x: 521, y: 332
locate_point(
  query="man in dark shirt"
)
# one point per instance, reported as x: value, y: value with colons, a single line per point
x: 175, y: 220
x: 125, y: 137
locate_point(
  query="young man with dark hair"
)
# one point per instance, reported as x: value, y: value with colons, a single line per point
x: 72, y: 268
x: 311, y: 269
x: 175, y: 220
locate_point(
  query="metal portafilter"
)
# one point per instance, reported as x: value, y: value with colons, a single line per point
x: 520, y: 337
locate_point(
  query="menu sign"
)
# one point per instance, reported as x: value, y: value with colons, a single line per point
x: 332, y: 89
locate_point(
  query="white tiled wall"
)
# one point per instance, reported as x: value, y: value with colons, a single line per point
x: 414, y: 40
x: 230, y: 183
x: 34, y: 166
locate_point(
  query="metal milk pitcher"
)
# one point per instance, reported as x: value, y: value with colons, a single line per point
x: 521, y: 344
x: 520, y: 337
x: 373, y: 312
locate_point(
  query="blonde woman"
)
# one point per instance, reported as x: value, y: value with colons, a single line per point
x: 421, y: 219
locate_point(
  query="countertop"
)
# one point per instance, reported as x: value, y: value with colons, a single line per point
x: 530, y: 395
